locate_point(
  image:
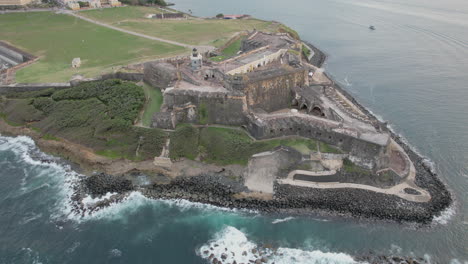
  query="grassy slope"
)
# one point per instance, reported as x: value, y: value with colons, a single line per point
x: 192, y: 31
x: 224, y: 146
x: 98, y: 115
x: 57, y: 39
x: 155, y: 100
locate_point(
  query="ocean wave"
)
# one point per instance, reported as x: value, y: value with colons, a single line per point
x: 445, y: 216
x: 231, y: 244
x: 29, y: 218
x: 276, y: 221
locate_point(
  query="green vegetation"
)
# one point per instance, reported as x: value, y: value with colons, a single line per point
x: 295, y: 52
x: 233, y: 48
x: 325, y: 148
x: 98, y: 115
x: 110, y: 15
x: 50, y: 137
x: 305, y: 50
x: 58, y: 38
x: 144, y: 2
x: 184, y: 142
x: 223, y: 146
x: 218, y: 58
x: 229, y: 51
x: 203, y: 114
x: 350, y: 167
x: 191, y: 31
x: 154, y: 100
x: 285, y: 29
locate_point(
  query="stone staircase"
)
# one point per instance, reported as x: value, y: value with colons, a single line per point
x: 331, y: 93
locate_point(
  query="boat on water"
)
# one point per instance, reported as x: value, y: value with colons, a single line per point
x: 371, y: 27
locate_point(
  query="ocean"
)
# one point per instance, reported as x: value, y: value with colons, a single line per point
x: 412, y: 71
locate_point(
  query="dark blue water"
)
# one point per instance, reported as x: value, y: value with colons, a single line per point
x: 411, y: 71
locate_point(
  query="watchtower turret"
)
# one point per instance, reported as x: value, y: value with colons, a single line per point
x: 196, y: 60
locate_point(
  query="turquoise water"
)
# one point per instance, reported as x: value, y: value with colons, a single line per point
x: 412, y: 71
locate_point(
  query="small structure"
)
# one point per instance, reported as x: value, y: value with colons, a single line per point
x: 95, y: 4
x: 196, y: 60
x: 76, y: 63
x: 14, y: 2
x: 73, y: 5
x: 114, y: 3
x: 235, y: 16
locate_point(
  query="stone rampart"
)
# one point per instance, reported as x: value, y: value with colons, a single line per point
x: 201, y: 107
x: 272, y: 89
x: 127, y: 76
x: 29, y: 87
x: 362, y: 150
x: 160, y: 74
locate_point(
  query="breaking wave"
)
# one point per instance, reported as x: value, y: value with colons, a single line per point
x: 230, y: 244
x: 277, y: 221
x: 445, y: 216
x: 61, y: 179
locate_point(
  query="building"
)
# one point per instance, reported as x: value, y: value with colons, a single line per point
x: 14, y: 2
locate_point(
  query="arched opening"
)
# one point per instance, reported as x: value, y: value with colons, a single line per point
x: 206, y: 77
x: 303, y: 107
x: 316, y: 111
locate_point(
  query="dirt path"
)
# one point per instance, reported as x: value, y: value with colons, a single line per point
x: 200, y: 48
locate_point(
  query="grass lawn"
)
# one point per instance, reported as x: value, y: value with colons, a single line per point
x: 232, y: 49
x: 58, y: 38
x: 191, y: 31
x: 111, y: 15
x: 229, y: 51
x: 153, y: 104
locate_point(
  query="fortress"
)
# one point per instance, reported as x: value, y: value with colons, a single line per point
x: 271, y: 90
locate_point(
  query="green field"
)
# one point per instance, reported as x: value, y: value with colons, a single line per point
x: 191, y: 31
x: 57, y: 39
x: 154, y: 100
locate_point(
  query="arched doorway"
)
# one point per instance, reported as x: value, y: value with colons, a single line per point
x: 316, y: 111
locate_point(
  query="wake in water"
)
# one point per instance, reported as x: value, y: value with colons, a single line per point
x: 231, y: 245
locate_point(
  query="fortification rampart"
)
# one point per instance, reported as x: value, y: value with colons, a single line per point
x: 201, y: 107
x: 364, y: 149
x: 272, y: 89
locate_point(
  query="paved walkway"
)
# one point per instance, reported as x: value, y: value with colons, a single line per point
x: 398, y: 190
x: 200, y: 48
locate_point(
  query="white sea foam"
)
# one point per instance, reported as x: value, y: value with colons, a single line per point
x: 445, y: 216
x: 88, y: 201
x: 115, y: 253
x: 233, y: 245
x: 276, y: 221
x: 63, y: 178
x: 29, y: 218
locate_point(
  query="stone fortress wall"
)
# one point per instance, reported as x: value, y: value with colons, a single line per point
x: 272, y: 89
x: 260, y: 100
x: 367, y: 153
x: 198, y: 107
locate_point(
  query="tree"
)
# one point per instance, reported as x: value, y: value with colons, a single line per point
x: 220, y: 15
